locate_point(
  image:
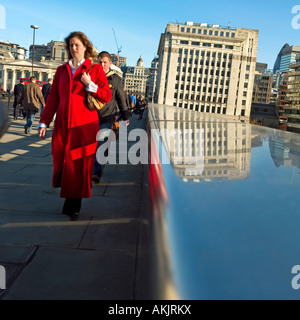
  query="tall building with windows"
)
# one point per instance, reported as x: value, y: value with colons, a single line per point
x: 136, y: 79
x: 118, y: 60
x: 39, y: 51
x: 152, y: 80
x: 292, y: 106
x: 207, y: 68
x: 56, y: 50
x: 53, y: 51
x: 285, y: 58
x: 10, y: 50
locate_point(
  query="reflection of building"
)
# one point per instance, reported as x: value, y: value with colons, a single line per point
x: 285, y: 151
x: 207, y: 68
x: 135, y: 79
x: 209, y: 149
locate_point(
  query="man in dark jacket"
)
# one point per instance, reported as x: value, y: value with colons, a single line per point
x: 110, y: 113
x: 46, y: 90
x: 18, y: 91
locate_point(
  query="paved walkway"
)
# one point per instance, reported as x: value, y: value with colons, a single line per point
x: 103, y: 255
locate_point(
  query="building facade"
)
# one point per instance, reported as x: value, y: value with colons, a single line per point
x: 207, y: 68
x: 262, y: 88
x: 118, y: 60
x: 12, y: 51
x: 285, y: 58
x: 136, y: 79
x: 152, y: 94
x: 12, y: 70
x: 292, y: 105
x: 37, y: 52
x: 54, y: 50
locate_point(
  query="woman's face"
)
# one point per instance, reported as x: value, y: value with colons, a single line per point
x: 77, y: 49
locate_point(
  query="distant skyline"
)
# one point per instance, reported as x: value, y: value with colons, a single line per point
x: 138, y: 25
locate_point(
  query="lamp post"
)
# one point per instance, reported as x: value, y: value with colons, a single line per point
x: 33, y: 27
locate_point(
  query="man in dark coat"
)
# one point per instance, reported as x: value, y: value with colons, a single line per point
x: 18, y: 91
x: 110, y: 113
x: 46, y: 90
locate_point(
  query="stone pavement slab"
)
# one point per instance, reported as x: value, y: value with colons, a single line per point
x: 104, y: 255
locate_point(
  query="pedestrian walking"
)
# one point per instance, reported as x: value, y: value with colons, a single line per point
x: 133, y: 102
x: 110, y: 113
x: 75, y: 128
x: 141, y: 106
x: 31, y: 99
x: 18, y: 92
x: 46, y: 90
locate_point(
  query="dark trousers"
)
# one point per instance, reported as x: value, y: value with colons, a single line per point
x: 98, y: 168
x: 18, y: 110
x: 72, y: 205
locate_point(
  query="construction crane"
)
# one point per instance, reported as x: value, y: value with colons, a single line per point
x: 119, y: 49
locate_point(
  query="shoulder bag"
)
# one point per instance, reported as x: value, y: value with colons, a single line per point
x: 93, y: 103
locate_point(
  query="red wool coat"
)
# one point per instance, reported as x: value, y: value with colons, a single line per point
x: 75, y: 129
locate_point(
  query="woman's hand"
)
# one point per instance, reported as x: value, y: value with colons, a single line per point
x: 42, y: 132
x: 86, y: 79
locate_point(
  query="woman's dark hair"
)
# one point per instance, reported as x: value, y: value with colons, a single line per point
x: 89, y: 53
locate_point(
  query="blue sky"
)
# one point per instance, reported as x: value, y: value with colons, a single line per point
x: 138, y: 24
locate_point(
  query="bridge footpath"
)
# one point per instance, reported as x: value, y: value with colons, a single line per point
x: 104, y: 255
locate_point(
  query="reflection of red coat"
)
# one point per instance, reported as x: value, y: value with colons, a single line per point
x: 75, y: 129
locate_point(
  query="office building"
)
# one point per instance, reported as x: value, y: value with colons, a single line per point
x: 292, y: 105
x: 152, y: 80
x: 285, y: 58
x: 10, y: 50
x: 262, y: 88
x: 39, y: 52
x: 118, y: 60
x: 207, y: 68
x: 54, y: 50
x: 135, y: 79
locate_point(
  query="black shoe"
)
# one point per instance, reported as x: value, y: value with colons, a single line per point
x: 74, y: 216
x: 26, y: 129
x: 96, y: 179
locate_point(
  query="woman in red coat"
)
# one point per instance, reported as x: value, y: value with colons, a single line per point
x: 75, y: 129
